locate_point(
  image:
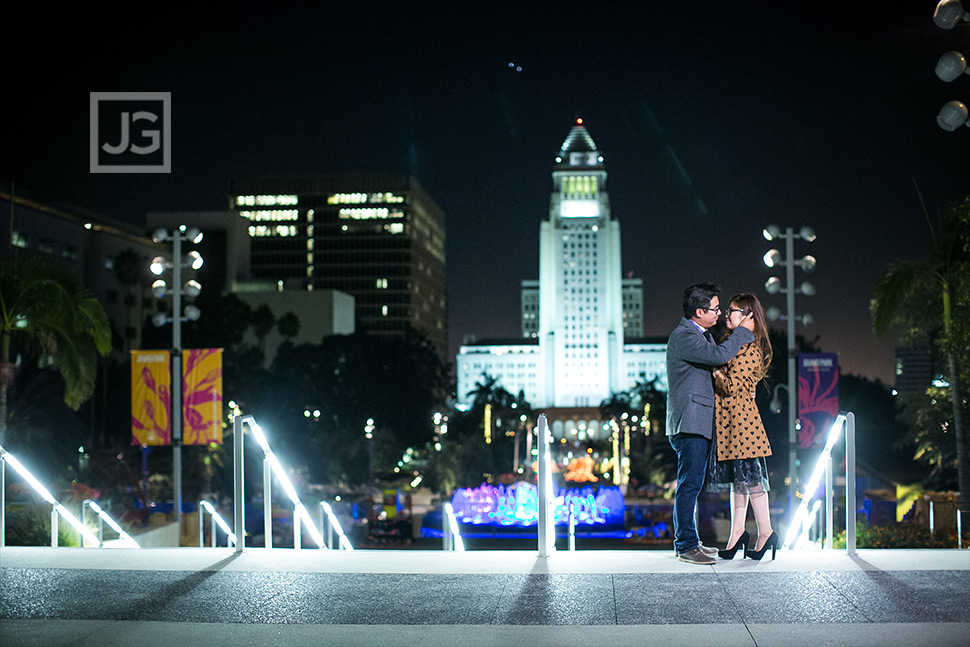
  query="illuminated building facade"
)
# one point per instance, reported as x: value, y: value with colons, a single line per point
x: 379, y: 238
x: 582, y: 320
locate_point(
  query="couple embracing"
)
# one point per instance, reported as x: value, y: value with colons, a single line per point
x: 713, y: 423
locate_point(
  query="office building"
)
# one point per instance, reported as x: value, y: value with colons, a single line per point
x: 378, y: 238
x: 110, y: 257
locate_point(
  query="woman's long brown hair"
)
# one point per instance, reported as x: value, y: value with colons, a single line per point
x: 749, y: 304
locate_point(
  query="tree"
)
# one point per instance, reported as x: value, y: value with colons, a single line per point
x: 45, y: 312
x: 288, y: 326
x: 488, y: 391
x: 399, y: 383
x: 263, y: 323
x: 942, y: 279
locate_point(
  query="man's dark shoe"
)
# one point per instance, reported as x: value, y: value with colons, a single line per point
x: 696, y: 556
x: 708, y: 550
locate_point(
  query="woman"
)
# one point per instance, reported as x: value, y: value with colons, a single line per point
x: 738, y: 458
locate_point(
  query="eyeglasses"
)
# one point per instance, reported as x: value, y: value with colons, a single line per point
x: 733, y: 310
x: 715, y: 309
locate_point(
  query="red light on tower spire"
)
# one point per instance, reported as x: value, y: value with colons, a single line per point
x: 579, y: 121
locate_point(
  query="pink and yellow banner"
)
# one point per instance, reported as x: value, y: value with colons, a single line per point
x: 202, y: 396
x: 151, y: 401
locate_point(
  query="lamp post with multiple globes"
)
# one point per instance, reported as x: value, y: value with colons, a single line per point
x: 774, y: 285
x: 160, y: 290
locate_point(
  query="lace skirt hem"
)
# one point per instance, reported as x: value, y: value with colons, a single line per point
x: 745, y: 474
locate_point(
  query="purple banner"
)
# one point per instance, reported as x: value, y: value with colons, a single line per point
x: 818, y: 397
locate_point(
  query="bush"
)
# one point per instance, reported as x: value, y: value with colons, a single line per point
x: 906, y: 534
x: 33, y: 528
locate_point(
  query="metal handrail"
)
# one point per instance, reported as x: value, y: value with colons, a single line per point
x: 450, y: 533
x: 802, y: 521
x: 217, y: 521
x: 546, y: 494
x: 56, y: 507
x: 329, y: 525
x: 271, y: 467
x: 104, y: 518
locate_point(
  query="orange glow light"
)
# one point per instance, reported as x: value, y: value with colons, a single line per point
x: 579, y: 121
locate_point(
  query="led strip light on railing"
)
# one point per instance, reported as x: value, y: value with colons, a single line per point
x: 803, y: 517
x: 452, y: 522
x: 298, y: 508
x: 342, y: 541
x: 45, y: 493
x: 219, y: 520
x: 124, y: 536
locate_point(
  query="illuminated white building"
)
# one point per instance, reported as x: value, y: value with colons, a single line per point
x: 582, y: 321
x: 378, y: 238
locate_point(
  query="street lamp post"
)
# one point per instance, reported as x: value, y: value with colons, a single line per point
x: 190, y: 313
x: 369, y: 437
x: 774, y: 285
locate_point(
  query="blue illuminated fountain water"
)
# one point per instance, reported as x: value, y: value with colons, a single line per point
x: 518, y: 506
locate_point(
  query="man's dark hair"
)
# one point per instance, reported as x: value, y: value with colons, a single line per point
x: 697, y: 296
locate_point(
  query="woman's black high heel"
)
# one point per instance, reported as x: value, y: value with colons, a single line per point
x: 743, y: 541
x: 771, y: 542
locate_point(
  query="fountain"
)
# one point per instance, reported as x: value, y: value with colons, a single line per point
x: 497, y: 510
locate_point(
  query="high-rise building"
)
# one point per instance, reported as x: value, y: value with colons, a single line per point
x: 379, y: 238
x: 582, y: 320
x: 914, y: 370
x: 110, y: 257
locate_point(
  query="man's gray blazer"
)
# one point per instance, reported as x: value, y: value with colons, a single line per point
x: 690, y: 395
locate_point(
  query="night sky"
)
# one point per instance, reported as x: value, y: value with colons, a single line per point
x: 714, y: 119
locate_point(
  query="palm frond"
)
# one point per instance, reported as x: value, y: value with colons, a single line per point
x: 894, y: 289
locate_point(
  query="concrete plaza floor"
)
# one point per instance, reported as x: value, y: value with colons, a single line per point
x: 204, y: 596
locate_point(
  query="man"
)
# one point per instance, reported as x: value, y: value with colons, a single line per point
x: 691, y: 354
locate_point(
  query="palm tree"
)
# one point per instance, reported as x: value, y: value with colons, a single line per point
x: 288, y: 326
x: 263, y: 323
x: 616, y: 405
x: 49, y: 313
x: 945, y: 274
x: 650, y: 400
x: 488, y: 391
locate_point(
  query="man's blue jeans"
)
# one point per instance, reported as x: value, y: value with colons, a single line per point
x: 691, y: 464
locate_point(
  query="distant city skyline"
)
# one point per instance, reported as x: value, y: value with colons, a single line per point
x: 715, y: 121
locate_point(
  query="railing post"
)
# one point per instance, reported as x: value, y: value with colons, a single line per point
x: 932, y: 527
x: 572, y: 529
x: 447, y: 536
x: 829, y: 503
x: 3, y: 503
x: 959, y: 530
x: 850, y: 503
x: 267, y: 503
x: 239, y: 490
x: 201, y: 525
x: 84, y: 518
x: 297, y: 529
x: 547, y: 522
x: 54, y: 527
